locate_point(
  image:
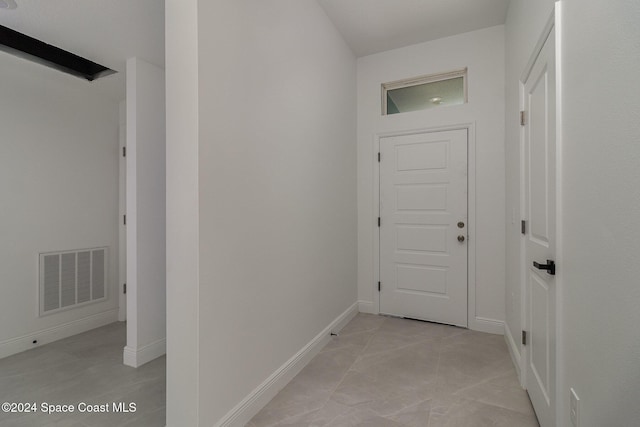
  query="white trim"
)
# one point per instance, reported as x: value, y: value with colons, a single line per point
x: 549, y: 26
x: 538, y: 47
x: 366, y: 307
x: 514, y: 351
x: 473, y: 322
x: 122, y: 203
x: 554, y: 21
x: 146, y: 353
x: 523, y: 254
x: 375, y: 230
x: 490, y: 326
x: 46, y: 336
x: 261, y: 395
x: 561, y: 396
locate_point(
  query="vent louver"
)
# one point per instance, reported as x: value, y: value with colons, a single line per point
x: 72, y: 278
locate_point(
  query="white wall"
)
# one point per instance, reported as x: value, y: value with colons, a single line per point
x: 482, y: 52
x: 146, y: 213
x: 601, y: 182
x: 59, y: 187
x: 183, y: 356
x: 276, y: 192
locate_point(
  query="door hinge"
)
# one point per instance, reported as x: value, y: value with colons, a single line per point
x: 378, y: 157
x: 523, y: 226
x: 124, y: 288
x: 124, y: 220
x: 379, y: 286
x: 379, y: 222
x: 523, y: 120
x: 124, y: 151
x: 524, y: 337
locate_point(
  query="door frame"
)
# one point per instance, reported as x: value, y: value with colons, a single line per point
x: 554, y: 21
x: 473, y: 322
x: 122, y: 211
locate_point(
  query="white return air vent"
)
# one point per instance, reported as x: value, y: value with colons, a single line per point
x: 72, y: 278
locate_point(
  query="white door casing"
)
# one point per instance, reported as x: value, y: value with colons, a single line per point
x: 540, y: 237
x: 122, y: 228
x: 423, y: 213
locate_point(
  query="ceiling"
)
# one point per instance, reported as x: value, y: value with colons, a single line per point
x: 110, y: 31
x: 372, y: 26
x: 104, y: 31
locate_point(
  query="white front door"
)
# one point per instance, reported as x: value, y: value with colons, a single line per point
x: 423, y: 226
x: 540, y: 237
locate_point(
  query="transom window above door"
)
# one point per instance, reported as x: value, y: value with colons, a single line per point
x: 424, y: 92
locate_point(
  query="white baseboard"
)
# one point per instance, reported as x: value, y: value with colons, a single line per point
x: 261, y: 395
x: 514, y: 350
x: 138, y: 357
x: 122, y: 311
x: 490, y: 326
x: 366, y: 307
x: 46, y: 336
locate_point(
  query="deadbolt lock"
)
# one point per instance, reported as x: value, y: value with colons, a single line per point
x: 461, y: 224
x: 461, y: 238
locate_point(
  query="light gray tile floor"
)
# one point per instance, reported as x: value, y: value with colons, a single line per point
x: 384, y: 371
x: 84, y: 368
x: 380, y: 371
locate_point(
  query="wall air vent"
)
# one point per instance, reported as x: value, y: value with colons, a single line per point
x: 35, y: 50
x: 72, y: 278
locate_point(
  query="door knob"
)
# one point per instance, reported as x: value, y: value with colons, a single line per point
x: 461, y: 238
x: 461, y: 224
x: 550, y: 266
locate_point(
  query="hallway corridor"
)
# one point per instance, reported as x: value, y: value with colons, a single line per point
x: 383, y: 371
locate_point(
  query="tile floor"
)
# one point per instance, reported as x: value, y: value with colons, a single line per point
x: 384, y: 371
x: 380, y: 371
x: 83, y: 368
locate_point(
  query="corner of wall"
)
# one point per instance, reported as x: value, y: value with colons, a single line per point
x: 367, y: 307
x: 136, y: 357
x: 514, y: 351
x: 261, y: 395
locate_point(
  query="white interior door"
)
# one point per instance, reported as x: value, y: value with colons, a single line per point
x: 540, y: 238
x: 423, y: 226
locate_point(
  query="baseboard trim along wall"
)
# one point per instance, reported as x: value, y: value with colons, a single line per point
x: 261, y: 395
x: 46, y: 336
x: 366, y: 307
x: 491, y: 326
x: 514, y: 350
x: 146, y: 353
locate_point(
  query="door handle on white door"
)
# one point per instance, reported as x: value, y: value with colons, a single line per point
x: 550, y: 266
x: 461, y: 238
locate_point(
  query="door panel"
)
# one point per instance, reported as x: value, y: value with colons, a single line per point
x: 421, y: 238
x: 540, y: 200
x: 423, y: 196
x: 415, y: 197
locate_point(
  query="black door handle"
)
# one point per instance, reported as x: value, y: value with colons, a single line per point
x: 550, y: 266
